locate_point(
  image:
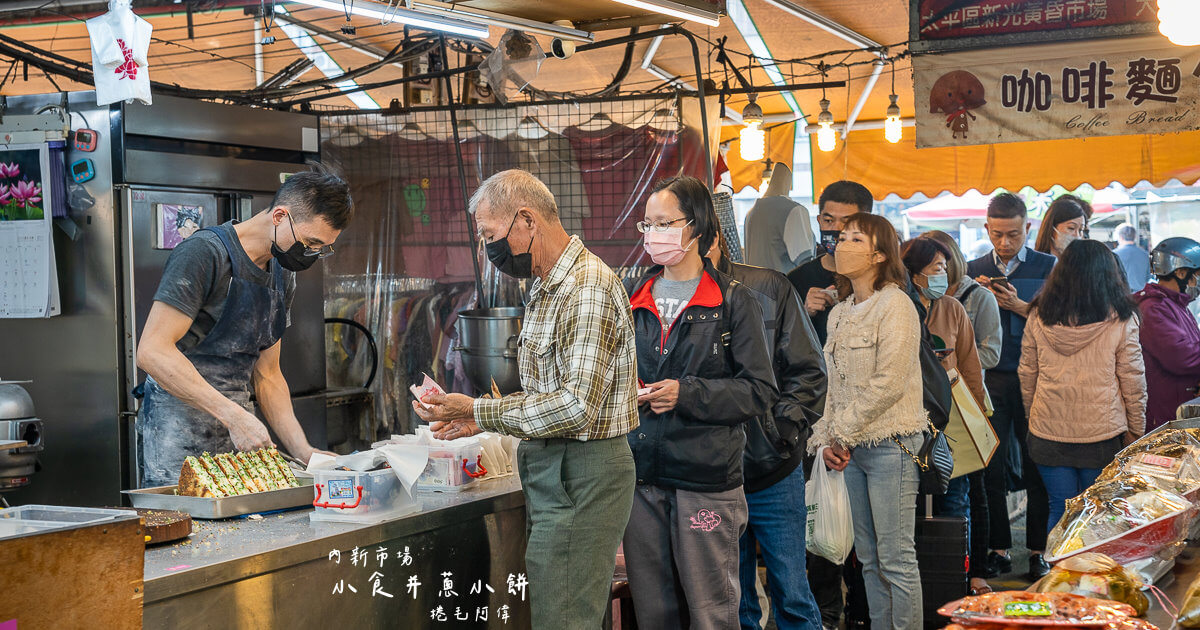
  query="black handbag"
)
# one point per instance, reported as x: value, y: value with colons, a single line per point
x: 934, y: 460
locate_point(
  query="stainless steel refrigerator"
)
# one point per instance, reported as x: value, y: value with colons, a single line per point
x: 149, y: 160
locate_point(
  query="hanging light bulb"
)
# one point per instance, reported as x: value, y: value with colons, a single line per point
x: 752, y: 138
x: 1177, y: 20
x: 753, y: 142
x: 892, y: 128
x: 826, y: 138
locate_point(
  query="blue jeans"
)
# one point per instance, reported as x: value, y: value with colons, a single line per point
x: 882, y: 482
x: 956, y: 501
x: 777, y: 522
x: 1062, y: 483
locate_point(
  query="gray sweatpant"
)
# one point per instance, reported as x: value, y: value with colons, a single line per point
x: 681, y: 552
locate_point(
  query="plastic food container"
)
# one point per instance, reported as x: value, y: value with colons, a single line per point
x: 347, y: 496
x: 453, y: 466
x: 28, y: 519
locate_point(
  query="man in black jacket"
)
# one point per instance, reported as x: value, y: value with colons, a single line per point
x: 775, y: 446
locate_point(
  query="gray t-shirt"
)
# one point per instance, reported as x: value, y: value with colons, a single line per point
x: 670, y: 297
x: 197, y: 277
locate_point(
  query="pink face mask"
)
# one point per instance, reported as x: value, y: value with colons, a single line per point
x: 665, y: 248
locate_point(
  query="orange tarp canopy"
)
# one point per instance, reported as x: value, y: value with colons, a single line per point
x: 781, y: 141
x: 905, y: 170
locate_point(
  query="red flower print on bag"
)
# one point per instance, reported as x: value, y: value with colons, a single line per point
x: 127, y: 70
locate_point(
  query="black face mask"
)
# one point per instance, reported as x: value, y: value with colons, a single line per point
x: 295, y: 258
x: 501, y: 255
x: 829, y: 239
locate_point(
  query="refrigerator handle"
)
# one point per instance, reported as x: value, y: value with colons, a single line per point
x: 129, y: 314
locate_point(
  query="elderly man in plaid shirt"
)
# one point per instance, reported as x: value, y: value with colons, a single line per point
x: 578, y: 370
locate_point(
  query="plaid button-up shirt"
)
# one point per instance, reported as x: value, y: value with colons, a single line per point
x: 577, y: 358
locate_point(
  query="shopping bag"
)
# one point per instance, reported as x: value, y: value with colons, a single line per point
x: 972, y: 438
x: 830, y: 527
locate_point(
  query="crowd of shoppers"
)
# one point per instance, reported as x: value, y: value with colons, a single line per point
x: 696, y: 393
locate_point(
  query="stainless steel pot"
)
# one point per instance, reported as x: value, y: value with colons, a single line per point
x: 487, y: 339
x: 18, y: 422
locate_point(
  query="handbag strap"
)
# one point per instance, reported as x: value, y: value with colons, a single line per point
x: 920, y: 464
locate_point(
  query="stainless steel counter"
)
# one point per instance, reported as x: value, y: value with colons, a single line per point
x: 283, y: 571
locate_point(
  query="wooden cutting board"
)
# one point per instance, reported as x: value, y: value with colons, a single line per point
x: 163, y: 525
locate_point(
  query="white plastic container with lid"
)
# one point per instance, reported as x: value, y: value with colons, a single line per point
x: 348, y: 496
x: 453, y: 465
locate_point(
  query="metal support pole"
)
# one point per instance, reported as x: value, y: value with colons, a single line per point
x: 462, y: 173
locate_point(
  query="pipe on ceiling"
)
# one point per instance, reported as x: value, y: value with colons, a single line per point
x: 862, y: 98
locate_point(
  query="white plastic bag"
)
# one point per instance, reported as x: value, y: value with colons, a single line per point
x: 830, y: 527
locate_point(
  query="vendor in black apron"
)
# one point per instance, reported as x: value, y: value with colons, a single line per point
x: 213, y: 331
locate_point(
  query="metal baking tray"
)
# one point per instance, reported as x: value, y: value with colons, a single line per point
x: 164, y: 498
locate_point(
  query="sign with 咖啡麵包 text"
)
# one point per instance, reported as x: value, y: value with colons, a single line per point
x: 1113, y: 87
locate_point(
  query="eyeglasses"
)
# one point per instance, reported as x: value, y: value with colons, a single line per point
x: 324, y: 251
x: 662, y: 226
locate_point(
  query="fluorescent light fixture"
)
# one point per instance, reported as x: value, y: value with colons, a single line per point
x: 745, y: 25
x: 505, y: 21
x: 321, y: 59
x: 406, y: 16
x: 675, y: 9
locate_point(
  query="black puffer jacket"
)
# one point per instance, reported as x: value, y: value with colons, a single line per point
x: 776, y: 442
x: 717, y: 350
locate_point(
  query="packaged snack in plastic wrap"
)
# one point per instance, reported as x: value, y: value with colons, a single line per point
x: 1094, y: 575
x: 1189, y: 610
x: 1170, y: 458
x: 1036, y: 609
x: 1127, y: 518
x: 1123, y: 623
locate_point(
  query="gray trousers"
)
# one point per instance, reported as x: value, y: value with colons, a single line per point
x: 577, y: 501
x: 681, y: 552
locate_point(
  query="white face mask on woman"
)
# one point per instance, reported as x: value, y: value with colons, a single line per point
x: 1062, y: 240
x: 938, y: 283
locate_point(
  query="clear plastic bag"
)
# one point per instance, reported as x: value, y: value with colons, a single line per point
x: 1170, y: 458
x: 1127, y: 518
x: 830, y: 525
x: 1095, y: 575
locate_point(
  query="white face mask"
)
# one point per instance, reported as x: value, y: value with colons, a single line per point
x: 1062, y: 240
x: 938, y: 283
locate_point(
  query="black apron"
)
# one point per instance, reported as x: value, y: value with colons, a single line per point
x: 253, y: 320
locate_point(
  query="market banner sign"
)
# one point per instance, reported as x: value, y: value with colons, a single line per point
x: 944, y: 19
x: 1137, y: 85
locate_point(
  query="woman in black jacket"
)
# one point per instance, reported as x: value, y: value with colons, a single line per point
x: 704, y: 368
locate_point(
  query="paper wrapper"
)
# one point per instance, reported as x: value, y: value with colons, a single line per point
x: 406, y: 461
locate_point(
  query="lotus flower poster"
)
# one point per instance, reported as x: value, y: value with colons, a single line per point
x: 28, y: 277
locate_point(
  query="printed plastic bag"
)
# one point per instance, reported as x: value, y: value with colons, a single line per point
x: 830, y: 527
x: 1094, y: 575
